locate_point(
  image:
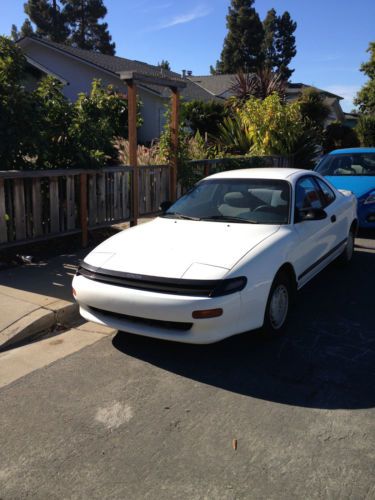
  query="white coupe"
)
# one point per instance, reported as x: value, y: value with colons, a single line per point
x: 225, y: 258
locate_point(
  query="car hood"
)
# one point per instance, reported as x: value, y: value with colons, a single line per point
x: 358, y: 184
x: 179, y: 249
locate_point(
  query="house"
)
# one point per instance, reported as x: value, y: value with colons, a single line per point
x: 76, y: 68
x: 221, y: 87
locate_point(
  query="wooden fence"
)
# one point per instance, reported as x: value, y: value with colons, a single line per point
x: 41, y: 204
x: 37, y: 205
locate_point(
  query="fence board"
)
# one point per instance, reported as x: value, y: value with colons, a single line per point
x: 93, y: 205
x: 19, y: 209
x: 54, y: 204
x: 125, y: 196
x: 101, y: 199
x: 116, y: 195
x: 37, y: 207
x: 3, y: 222
x: 70, y: 203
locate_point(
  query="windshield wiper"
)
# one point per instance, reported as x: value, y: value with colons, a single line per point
x: 229, y: 218
x: 176, y: 215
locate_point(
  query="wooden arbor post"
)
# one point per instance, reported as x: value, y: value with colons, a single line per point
x: 175, y: 84
x: 132, y: 133
x: 174, y: 142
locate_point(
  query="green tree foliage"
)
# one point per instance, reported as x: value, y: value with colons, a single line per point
x: 339, y: 136
x: 260, y: 84
x: 49, y: 18
x: 285, y: 44
x: 366, y: 96
x: 26, y: 30
x: 313, y: 107
x: 251, y: 44
x: 85, y: 29
x: 366, y: 130
x: 203, y: 117
x: 16, y: 108
x: 63, y: 134
x: 242, y: 48
x: 164, y: 64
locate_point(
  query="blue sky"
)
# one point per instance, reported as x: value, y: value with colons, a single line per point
x: 332, y: 35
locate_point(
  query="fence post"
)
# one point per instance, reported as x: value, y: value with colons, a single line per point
x: 174, y: 141
x: 132, y: 133
x: 83, y: 209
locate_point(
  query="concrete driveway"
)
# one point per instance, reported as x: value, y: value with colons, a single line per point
x: 130, y: 417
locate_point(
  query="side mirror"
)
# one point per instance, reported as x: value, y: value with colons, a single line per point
x: 165, y: 205
x: 311, y: 214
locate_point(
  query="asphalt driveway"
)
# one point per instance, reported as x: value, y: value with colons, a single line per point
x: 131, y: 417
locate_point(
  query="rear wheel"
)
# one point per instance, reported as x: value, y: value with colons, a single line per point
x: 278, y: 305
x: 348, y: 251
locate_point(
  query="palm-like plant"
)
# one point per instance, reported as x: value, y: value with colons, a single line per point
x: 261, y: 84
x: 233, y: 137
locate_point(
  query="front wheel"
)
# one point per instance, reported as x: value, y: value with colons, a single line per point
x: 278, y: 305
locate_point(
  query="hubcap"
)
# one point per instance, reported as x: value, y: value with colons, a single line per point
x: 279, y: 306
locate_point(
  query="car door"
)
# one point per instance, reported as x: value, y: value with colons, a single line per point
x: 316, y: 237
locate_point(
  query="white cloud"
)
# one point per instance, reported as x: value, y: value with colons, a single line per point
x: 348, y: 92
x: 196, y: 13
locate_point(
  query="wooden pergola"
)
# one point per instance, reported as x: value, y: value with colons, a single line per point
x: 132, y: 79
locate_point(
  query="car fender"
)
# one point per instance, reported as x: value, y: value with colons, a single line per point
x: 260, y: 267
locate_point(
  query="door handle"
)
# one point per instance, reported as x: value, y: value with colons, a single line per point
x: 333, y: 218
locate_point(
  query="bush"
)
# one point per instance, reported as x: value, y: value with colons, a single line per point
x: 339, y: 136
x: 17, y: 110
x: 203, y: 117
x: 366, y: 130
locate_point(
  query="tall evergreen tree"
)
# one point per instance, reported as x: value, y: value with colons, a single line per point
x: 164, y: 64
x: 366, y: 96
x: 26, y: 30
x: 279, y: 43
x: 86, y: 31
x: 49, y: 19
x: 285, y: 44
x: 242, y: 48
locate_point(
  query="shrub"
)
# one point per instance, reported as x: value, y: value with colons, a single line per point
x: 339, y: 136
x: 366, y: 130
x: 203, y: 117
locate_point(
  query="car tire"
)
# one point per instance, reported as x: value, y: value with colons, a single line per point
x: 347, y: 254
x: 278, y: 305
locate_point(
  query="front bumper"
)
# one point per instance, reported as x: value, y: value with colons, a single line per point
x: 98, y: 300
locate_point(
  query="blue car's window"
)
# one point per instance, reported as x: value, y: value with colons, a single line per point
x: 347, y: 164
x: 257, y: 201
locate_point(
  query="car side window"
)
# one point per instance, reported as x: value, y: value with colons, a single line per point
x: 307, y: 194
x: 327, y: 193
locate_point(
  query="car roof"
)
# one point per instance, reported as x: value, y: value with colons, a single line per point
x: 352, y: 150
x: 258, y: 173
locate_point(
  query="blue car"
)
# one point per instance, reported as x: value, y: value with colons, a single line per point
x: 354, y: 170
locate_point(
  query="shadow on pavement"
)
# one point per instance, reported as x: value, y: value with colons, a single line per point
x: 325, y: 360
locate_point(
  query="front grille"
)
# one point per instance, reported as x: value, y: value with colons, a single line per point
x: 167, y: 325
x: 198, y: 288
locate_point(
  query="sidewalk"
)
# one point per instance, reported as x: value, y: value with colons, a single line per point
x: 37, y: 297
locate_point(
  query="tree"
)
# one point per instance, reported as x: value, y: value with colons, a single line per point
x: 337, y: 136
x: 16, y: 109
x: 203, y: 117
x: 49, y: 18
x: 86, y: 31
x: 366, y: 96
x: 164, y: 64
x: 279, y: 43
x: 366, y: 130
x: 26, y: 30
x: 285, y: 44
x: 312, y: 106
x: 242, y: 48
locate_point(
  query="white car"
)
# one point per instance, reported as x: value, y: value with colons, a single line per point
x: 225, y: 258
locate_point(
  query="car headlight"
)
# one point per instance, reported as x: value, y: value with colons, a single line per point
x: 225, y: 287
x: 370, y: 198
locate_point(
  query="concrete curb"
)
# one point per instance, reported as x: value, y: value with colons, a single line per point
x: 34, y: 324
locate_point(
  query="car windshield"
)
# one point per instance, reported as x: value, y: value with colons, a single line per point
x: 347, y: 164
x: 252, y: 201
